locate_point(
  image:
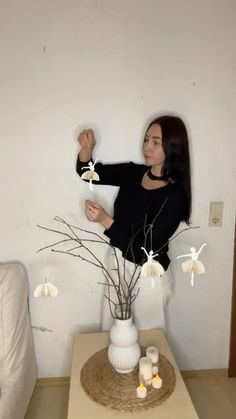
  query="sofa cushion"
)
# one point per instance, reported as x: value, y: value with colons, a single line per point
x: 13, y: 316
x: 18, y: 369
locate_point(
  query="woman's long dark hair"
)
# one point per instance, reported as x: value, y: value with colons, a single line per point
x: 176, y: 148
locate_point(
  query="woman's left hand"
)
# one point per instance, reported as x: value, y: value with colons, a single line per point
x: 94, y: 212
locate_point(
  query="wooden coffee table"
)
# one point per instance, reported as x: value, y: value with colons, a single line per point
x: 177, y: 406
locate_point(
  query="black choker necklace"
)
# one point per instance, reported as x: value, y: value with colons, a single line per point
x: 153, y: 177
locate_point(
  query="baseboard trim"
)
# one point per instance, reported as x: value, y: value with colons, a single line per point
x: 212, y: 373
x: 53, y: 381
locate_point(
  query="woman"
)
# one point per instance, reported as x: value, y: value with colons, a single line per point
x: 157, y: 194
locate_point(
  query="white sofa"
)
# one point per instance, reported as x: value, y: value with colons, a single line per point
x: 18, y: 368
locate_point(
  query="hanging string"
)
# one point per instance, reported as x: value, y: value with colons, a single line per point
x: 194, y: 237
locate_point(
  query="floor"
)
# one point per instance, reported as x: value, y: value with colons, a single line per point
x: 213, y: 398
x: 48, y: 402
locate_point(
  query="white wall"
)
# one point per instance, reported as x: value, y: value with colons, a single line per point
x: 111, y: 65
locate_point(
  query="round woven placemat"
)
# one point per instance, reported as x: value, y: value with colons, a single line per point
x: 106, y: 386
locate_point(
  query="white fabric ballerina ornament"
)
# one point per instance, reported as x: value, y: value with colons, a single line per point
x: 46, y: 290
x: 193, y: 265
x: 90, y: 174
x: 152, y: 268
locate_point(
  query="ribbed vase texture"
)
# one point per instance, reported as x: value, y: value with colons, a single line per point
x: 124, y: 351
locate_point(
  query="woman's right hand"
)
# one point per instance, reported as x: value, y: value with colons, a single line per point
x: 94, y: 212
x: 86, y: 139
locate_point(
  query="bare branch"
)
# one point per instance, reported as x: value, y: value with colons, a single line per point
x: 54, y: 244
x: 124, y: 286
x: 77, y: 256
x: 174, y: 237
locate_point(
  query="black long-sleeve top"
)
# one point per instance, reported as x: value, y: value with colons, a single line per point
x: 135, y: 208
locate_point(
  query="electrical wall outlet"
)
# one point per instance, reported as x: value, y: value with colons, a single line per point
x: 216, y: 213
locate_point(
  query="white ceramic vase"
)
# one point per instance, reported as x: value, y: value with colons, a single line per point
x: 124, y: 351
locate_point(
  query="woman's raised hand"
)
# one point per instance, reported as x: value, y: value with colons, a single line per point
x: 87, y: 142
x: 86, y: 139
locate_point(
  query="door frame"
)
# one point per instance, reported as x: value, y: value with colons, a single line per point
x: 232, y: 349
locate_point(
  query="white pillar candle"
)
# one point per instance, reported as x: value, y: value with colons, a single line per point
x: 155, y: 369
x: 157, y: 381
x: 141, y: 391
x: 153, y: 353
x: 145, y: 370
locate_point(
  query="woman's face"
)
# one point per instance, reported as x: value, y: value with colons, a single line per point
x: 152, y: 147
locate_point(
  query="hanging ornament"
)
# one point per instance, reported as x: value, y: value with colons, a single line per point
x: 90, y: 174
x: 193, y: 265
x: 46, y: 290
x: 152, y: 267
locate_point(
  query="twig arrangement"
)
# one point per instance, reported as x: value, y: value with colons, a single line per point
x: 124, y: 290
x: 77, y: 241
